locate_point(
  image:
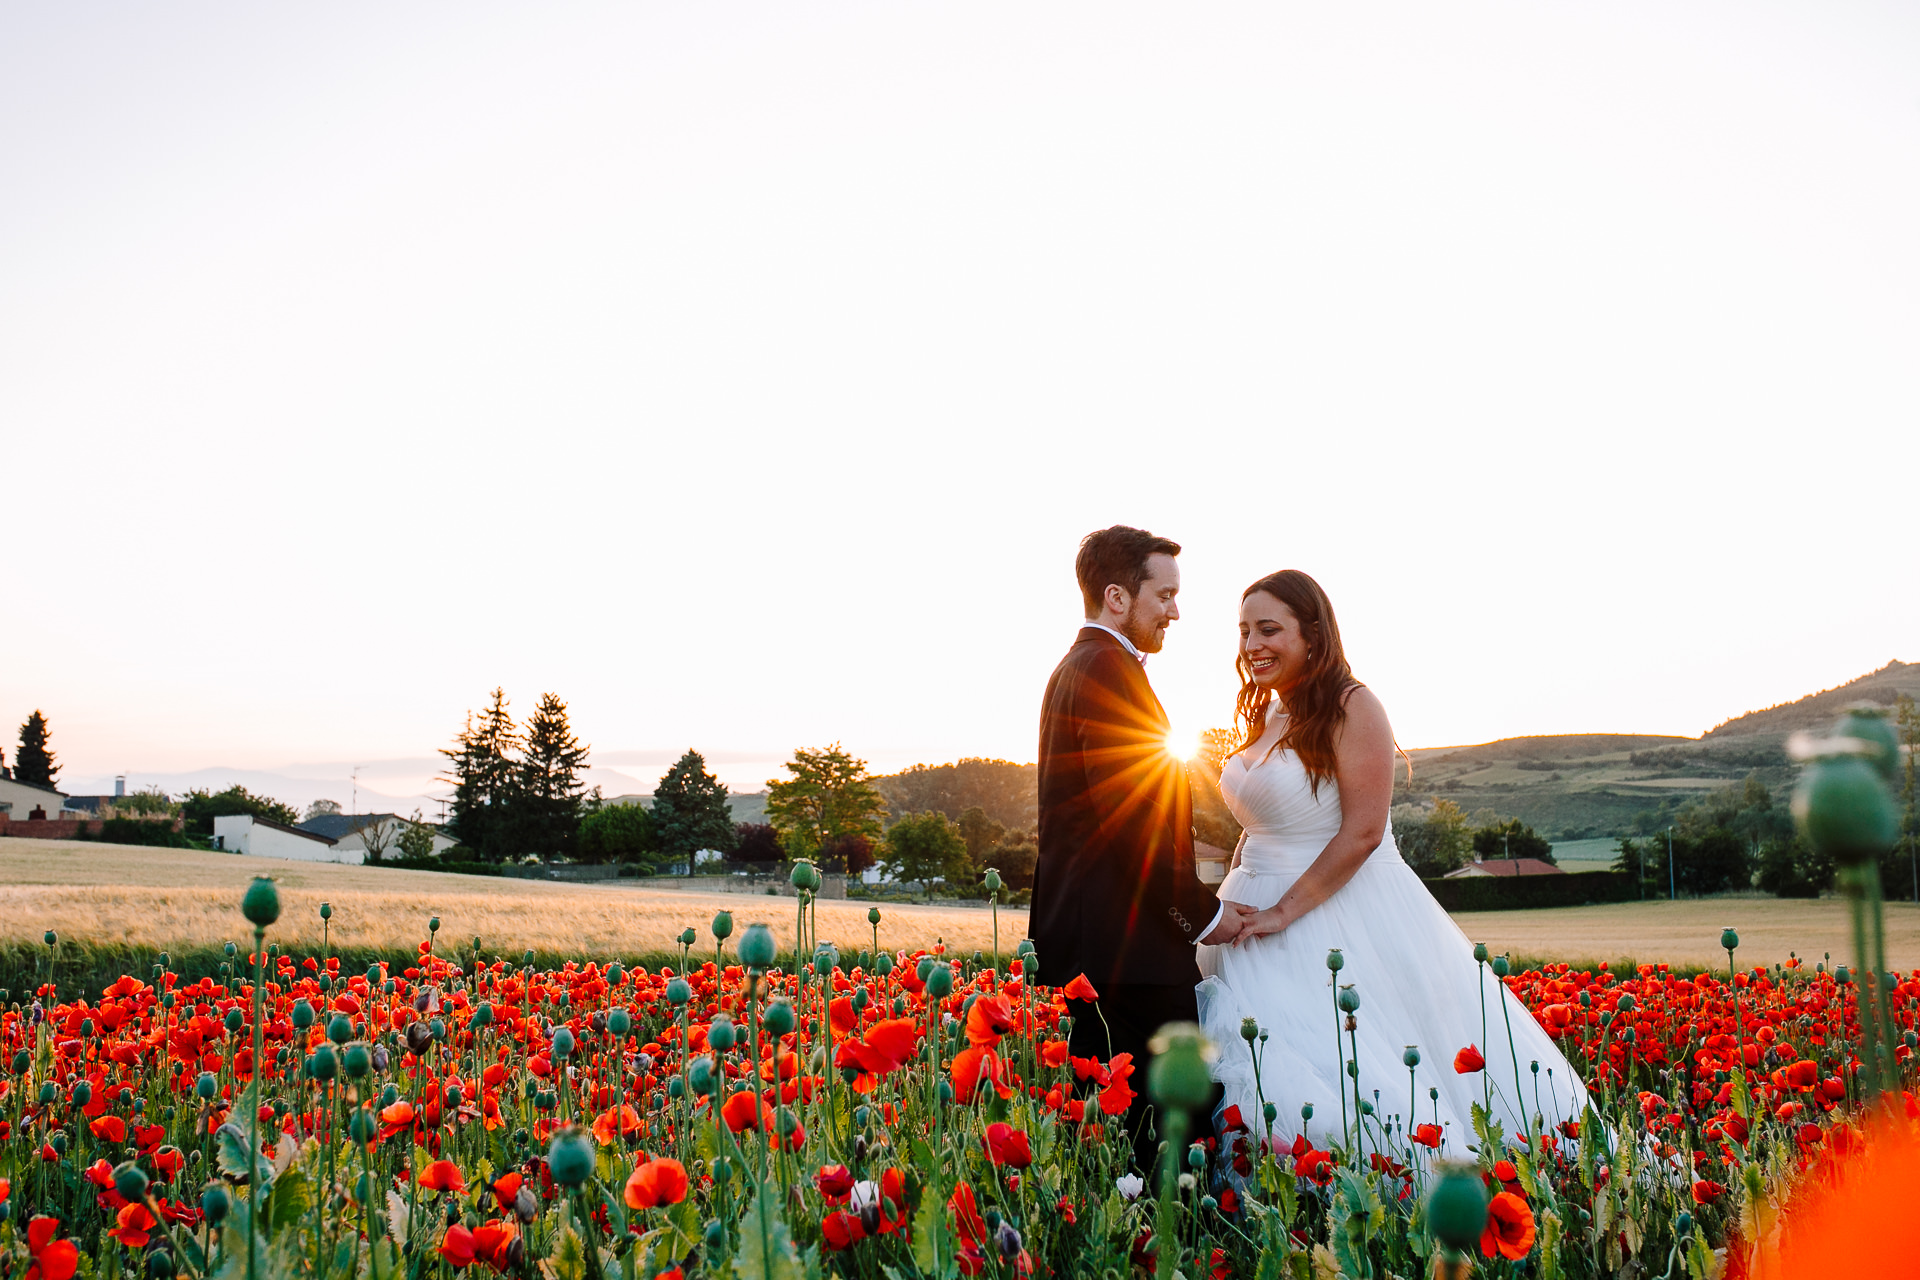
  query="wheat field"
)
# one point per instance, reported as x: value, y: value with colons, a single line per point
x: 121, y: 894
x: 117, y: 894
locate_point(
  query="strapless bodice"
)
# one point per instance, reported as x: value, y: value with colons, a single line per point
x: 1287, y: 820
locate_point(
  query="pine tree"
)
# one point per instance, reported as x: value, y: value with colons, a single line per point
x: 550, y: 799
x: 690, y: 811
x: 33, y: 763
x: 485, y: 780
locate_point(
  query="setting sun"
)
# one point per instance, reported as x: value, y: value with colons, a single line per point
x: 1182, y: 743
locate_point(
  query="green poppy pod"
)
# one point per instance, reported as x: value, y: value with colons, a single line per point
x: 58, y: 1141
x: 1249, y: 1029
x: 1480, y: 952
x: 873, y: 915
x: 715, y: 1236
x: 940, y: 982
x: 1845, y: 810
x: 366, y: 1188
x: 433, y: 924
x: 1457, y: 1208
x: 757, y: 947
x: 1411, y: 1058
x: 214, y: 1203
x: 700, y: 1076
x: 778, y: 1018
x: 688, y: 937
x: 899, y: 1006
x: 1196, y: 1157
x: 235, y: 1019
x: 883, y: 964
x: 826, y: 958
x: 340, y: 1028
x: 389, y: 1094
x: 1335, y: 961
x: 50, y: 937
x: 437, y: 1029
x: 49, y: 1093
x: 570, y: 1156
x: 1866, y: 723
x: 722, y: 925
x: 1177, y: 1076
x: 326, y: 911
x: 357, y: 1060
x: 562, y: 1043
x: 619, y: 1022
x: 230, y: 949
x: 160, y: 1263
x: 721, y: 1033
x: 676, y: 1088
x: 1729, y: 940
x: 1271, y: 1112
x: 526, y: 958
x: 82, y: 1093
x: 363, y: 1125
x: 799, y: 878
x: 1500, y: 967
x: 616, y: 973
x: 992, y: 880
x: 678, y: 992
x: 206, y: 1086
x: 923, y: 968
x: 325, y: 1064
x: 302, y: 1015
x: 261, y: 904
x: 483, y: 1014
x: 1349, y: 1000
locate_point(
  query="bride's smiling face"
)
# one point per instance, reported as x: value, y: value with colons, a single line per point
x: 1272, y: 641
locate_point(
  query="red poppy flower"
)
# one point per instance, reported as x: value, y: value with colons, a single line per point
x: 1053, y: 1053
x: 493, y: 1242
x: 834, y: 1182
x: 52, y: 1259
x: 110, y: 1129
x: 615, y: 1122
x: 974, y: 1066
x: 656, y: 1184
x: 990, y: 1018
x: 1705, y: 1192
x: 457, y: 1247
x: 1468, y: 1061
x: 886, y: 1047
x: 443, y: 1175
x: 1118, y: 1095
x: 1427, y: 1135
x: 1080, y: 989
x: 1316, y: 1166
x: 505, y: 1188
x: 1509, y: 1232
x: 842, y: 1016
x: 395, y: 1118
x: 135, y: 1226
x: 746, y: 1111
x: 842, y: 1230
x: 967, y: 1222
x: 1007, y: 1145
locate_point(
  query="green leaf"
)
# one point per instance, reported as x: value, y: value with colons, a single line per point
x: 232, y: 1159
x: 288, y: 1200
x: 685, y: 1218
x: 766, y: 1246
x: 569, y: 1257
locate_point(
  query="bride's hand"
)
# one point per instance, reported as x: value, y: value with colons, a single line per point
x: 1262, y: 924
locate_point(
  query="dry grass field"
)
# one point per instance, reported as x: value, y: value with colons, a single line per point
x: 114, y: 894
x: 108, y: 894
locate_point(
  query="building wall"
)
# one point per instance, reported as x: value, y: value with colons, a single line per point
x: 390, y: 829
x: 241, y: 834
x: 18, y: 800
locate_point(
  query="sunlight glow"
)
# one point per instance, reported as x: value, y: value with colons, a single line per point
x: 1182, y: 743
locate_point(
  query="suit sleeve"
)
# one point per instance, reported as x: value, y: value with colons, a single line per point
x: 1140, y: 793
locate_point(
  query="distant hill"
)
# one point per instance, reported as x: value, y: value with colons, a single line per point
x: 1586, y: 786
x: 1819, y: 709
x: 746, y: 807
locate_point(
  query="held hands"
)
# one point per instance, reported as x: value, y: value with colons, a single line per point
x: 1233, y: 921
x: 1260, y: 924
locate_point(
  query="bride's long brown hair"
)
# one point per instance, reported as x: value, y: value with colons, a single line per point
x: 1317, y: 701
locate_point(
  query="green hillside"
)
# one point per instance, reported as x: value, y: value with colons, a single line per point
x: 1587, y: 786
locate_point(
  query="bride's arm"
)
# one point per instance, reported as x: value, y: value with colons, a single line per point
x: 1363, y: 766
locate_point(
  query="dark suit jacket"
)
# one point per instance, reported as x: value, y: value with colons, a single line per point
x: 1115, y: 895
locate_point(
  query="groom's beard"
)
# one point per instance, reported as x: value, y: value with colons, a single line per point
x: 1147, y: 637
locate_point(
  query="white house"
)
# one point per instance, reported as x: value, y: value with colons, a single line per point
x: 355, y: 833
x: 21, y: 801
x: 244, y: 833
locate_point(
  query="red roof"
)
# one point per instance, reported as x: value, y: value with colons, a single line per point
x: 1508, y: 867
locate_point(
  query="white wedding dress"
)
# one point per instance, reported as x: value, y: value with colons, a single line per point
x: 1411, y: 966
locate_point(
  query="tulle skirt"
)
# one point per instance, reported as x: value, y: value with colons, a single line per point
x: 1419, y: 988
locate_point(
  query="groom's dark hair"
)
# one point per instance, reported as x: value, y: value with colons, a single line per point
x: 1116, y: 557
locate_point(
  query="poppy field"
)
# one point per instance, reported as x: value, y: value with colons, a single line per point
x: 875, y: 1114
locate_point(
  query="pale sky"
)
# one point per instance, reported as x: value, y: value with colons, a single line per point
x: 747, y: 373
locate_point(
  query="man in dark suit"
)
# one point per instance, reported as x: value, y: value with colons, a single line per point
x: 1115, y: 896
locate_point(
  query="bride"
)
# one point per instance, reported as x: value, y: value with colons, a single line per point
x: 1311, y: 782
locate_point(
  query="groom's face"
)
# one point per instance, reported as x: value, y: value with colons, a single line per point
x: 1153, y: 607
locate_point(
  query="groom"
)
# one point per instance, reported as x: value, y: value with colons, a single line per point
x: 1115, y: 896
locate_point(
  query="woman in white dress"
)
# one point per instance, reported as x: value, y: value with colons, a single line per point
x: 1312, y: 783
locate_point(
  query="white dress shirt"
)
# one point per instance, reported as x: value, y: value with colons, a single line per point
x: 1142, y: 659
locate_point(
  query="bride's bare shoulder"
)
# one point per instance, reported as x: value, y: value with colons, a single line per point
x: 1364, y: 708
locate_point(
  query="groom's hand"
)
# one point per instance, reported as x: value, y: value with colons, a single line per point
x: 1233, y: 918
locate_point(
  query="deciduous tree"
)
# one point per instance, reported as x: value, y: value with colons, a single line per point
x: 830, y: 794
x: 620, y: 833
x: 201, y: 807
x: 926, y: 847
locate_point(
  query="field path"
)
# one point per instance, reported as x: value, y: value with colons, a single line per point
x: 178, y: 898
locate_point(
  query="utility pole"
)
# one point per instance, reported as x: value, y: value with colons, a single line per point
x: 1671, y: 894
